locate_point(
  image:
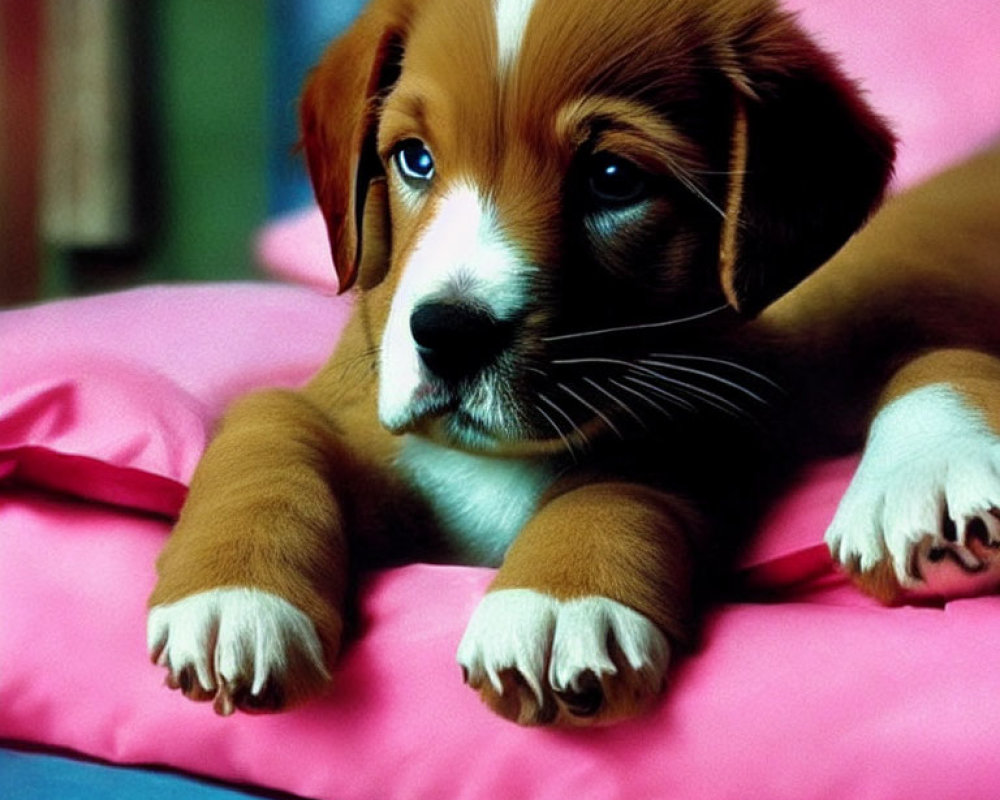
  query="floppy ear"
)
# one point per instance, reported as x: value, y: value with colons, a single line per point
x: 339, y: 116
x: 809, y: 161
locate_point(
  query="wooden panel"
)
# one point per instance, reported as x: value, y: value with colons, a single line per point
x: 20, y: 92
x: 87, y: 178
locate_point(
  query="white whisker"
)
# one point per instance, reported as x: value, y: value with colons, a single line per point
x: 642, y: 397
x: 701, y: 394
x: 631, y: 366
x: 640, y: 326
x: 683, y: 402
x: 726, y: 362
x: 591, y: 407
x: 685, y: 178
x: 557, y: 429
x: 677, y: 399
x: 617, y: 400
x: 617, y: 362
x: 564, y: 415
x: 710, y: 375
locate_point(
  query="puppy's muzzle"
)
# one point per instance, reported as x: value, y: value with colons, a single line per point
x: 455, y: 340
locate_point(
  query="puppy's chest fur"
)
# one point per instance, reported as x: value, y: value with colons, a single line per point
x: 480, y: 503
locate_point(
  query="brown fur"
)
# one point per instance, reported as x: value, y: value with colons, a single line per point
x: 912, y: 300
x: 566, y: 551
x: 296, y: 482
x: 921, y: 275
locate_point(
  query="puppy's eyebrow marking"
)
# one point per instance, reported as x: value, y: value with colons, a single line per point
x: 512, y: 18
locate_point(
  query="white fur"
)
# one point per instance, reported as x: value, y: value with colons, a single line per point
x: 464, y: 251
x: 929, y: 453
x: 554, y: 643
x: 511, y: 19
x: 481, y: 502
x: 231, y: 635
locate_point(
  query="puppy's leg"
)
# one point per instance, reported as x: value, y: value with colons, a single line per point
x: 251, y: 583
x: 578, y: 624
x: 922, y: 514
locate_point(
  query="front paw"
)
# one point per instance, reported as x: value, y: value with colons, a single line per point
x: 537, y: 660
x: 920, y: 517
x: 241, y: 648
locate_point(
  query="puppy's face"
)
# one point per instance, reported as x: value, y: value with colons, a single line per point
x: 554, y: 170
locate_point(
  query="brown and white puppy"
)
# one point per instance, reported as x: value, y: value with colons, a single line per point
x: 561, y: 219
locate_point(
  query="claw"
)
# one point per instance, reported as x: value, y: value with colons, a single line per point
x: 578, y: 662
x: 949, y: 530
x: 224, y: 704
x: 156, y: 653
x: 585, y: 696
x: 269, y: 698
x: 240, y: 648
x: 967, y: 560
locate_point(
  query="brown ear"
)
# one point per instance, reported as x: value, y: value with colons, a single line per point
x: 815, y: 162
x: 338, y: 117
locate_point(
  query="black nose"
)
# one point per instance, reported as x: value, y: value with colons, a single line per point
x: 456, y: 340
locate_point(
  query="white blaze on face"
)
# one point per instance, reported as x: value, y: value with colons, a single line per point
x: 511, y: 18
x: 462, y: 253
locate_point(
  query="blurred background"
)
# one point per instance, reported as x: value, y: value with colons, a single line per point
x: 151, y: 140
x: 147, y: 140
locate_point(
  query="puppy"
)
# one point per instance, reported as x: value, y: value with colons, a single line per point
x: 561, y: 221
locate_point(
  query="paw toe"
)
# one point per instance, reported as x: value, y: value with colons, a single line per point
x: 187, y: 682
x: 605, y: 661
x: 584, y: 697
x: 238, y: 695
x: 242, y: 649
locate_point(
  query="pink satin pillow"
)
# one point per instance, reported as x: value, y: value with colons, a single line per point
x: 96, y: 427
x: 809, y: 692
x: 113, y: 398
x: 805, y: 689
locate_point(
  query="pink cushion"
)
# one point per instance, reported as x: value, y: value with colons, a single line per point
x: 112, y: 398
x: 807, y: 691
x: 99, y: 428
x: 814, y: 694
x: 930, y: 67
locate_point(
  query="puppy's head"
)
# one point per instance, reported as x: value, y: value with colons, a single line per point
x: 518, y: 176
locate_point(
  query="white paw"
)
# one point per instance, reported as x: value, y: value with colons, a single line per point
x: 240, y: 646
x: 590, y: 653
x: 925, y: 497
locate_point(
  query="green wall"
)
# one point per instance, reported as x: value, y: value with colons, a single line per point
x: 211, y: 66
x: 201, y: 90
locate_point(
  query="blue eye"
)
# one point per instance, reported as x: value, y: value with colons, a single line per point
x: 414, y: 161
x: 615, y: 181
